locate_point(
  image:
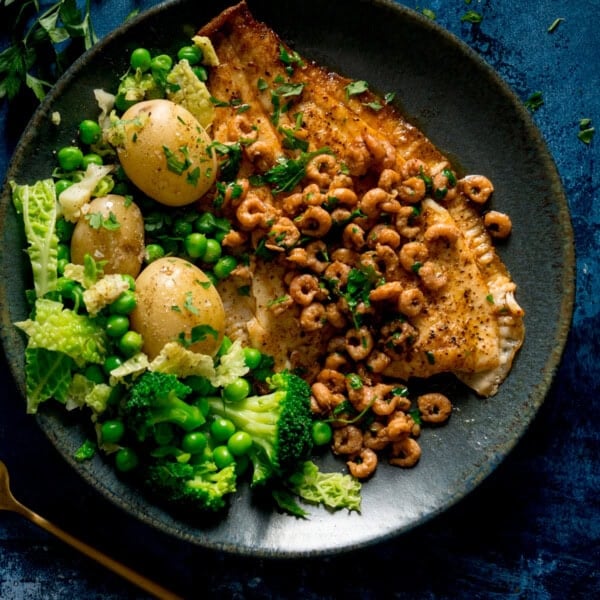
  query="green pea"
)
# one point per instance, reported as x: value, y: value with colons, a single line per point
x: 252, y: 357
x: 63, y: 252
x: 224, y: 267
x: 61, y: 185
x: 182, y: 228
x: 140, y: 59
x: 117, y: 325
x: 195, y: 245
x: 193, y: 54
x: 126, y: 459
x: 89, y: 131
x: 94, y: 373
x: 194, y: 442
x: 221, y: 429
x: 64, y: 229
x: 91, y: 158
x: 130, y: 343
x: 205, y: 224
x: 237, y: 390
x: 69, y: 158
x: 239, y: 443
x: 111, y: 363
x: 222, y: 457
x: 112, y: 431
x: 153, y: 252
x: 213, y: 251
x: 321, y: 433
x: 124, y: 304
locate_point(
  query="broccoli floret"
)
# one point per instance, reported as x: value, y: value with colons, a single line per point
x: 278, y: 422
x: 191, y: 486
x: 159, y: 398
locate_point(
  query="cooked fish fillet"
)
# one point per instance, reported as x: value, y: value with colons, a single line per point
x: 474, y: 327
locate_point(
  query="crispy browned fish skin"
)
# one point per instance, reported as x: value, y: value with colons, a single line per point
x: 461, y: 329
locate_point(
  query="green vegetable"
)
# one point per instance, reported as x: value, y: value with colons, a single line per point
x: 37, y: 205
x: 62, y: 330
x: 89, y: 131
x: 47, y: 375
x: 86, y: 451
x: 140, y: 59
x: 159, y: 398
x: 188, y: 486
x: 333, y: 490
x: 279, y: 424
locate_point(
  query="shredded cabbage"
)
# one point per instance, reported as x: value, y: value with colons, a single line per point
x: 84, y: 392
x: 104, y: 292
x: 47, y: 375
x: 133, y: 366
x: 37, y: 205
x: 191, y: 93
x: 62, y: 330
x: 333, y: 490
x: 180, y: 361
x: 231, y: 366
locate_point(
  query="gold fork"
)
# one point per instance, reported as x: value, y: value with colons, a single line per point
x: 9, y: 502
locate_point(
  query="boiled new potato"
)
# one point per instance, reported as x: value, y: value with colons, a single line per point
x: 177, y: 302
x: 112, y: 230
x: 165, y: 152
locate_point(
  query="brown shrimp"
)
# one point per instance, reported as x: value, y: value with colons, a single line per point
x: 434, y: 407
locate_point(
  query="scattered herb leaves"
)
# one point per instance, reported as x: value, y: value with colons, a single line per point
x: 535, y: 101
x: 472, y: 16
x: 586, y: 130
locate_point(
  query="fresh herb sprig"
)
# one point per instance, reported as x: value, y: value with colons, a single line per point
x: 45, y: 41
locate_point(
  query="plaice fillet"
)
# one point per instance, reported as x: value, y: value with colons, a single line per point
x: 473, y: 328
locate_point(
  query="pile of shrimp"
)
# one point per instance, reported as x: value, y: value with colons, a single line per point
x: 322, y: 231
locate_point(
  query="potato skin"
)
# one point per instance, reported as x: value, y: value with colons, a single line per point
x: 165, y: 152
x: 173, y: 297
x: 123, y: 247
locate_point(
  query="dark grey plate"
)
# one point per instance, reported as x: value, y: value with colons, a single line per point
x: 464, y: 107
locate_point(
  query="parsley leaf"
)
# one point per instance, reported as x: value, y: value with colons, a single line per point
x: 288, y: 172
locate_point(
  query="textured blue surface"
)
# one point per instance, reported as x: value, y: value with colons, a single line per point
x: 531, y: 530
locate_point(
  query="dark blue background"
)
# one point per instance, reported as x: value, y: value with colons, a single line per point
x: 531, y: 530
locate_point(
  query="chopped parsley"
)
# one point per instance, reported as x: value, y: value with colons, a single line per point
x: 355, y: 88
x: 586, y: 130
x: 197, y: 334
x: 472, y: 16
x: 97, y: 220
x: 288, y: 172
x: 177, y: 164
x: 290, y: 59
x: 534, y: 101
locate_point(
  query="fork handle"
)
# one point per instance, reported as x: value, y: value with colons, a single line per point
x: 124, y: 571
